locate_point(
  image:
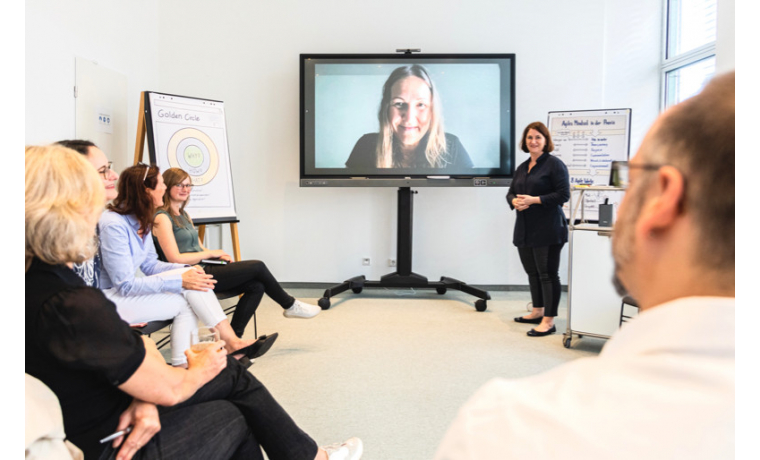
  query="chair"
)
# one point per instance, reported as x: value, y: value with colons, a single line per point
x: 627, y: 300
x: 154, y: 326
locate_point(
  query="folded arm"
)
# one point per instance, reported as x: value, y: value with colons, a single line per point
x: 157, y: 383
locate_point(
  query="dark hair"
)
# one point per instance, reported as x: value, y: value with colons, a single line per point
x: 79, y: 145
x: 698, y: 137
x: 541, y: 128
x: 133, y: 198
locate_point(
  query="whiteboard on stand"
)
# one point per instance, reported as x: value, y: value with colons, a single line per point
x: 191, y: 134
x: 588, y: 141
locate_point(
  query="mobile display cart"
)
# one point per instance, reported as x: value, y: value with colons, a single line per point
x: 593, y: 305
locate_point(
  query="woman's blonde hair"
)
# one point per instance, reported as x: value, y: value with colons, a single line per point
x: 64, y: 197
x: 172, y: 177
x: 435, y: 150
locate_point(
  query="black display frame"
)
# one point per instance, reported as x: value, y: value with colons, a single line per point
x: 478, y: 177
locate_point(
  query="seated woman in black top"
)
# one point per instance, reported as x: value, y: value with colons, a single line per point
x: 411, y: 133
x: 105, y: 375
x: 539, y: 188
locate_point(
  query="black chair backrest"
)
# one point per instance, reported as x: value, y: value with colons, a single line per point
x: 159, y: 251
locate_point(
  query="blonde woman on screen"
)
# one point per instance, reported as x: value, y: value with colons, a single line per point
x: 411, y: 134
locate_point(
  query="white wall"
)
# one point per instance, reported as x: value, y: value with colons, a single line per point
x: 121, y: 36
x: 725, y: 41
x: 584, y: 54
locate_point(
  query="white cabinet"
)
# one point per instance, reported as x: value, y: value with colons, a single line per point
x: 593, y: 305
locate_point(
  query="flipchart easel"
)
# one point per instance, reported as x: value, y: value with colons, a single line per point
x: 142, y: 133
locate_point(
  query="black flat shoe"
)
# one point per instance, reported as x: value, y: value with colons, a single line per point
x: 535, y: 333
x: 520, y: 319
x: 257, y: 348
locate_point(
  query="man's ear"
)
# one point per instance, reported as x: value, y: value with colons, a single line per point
x: 664, y: 203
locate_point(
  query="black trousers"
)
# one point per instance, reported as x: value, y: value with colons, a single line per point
x: 253, y: 279
x: 542, y: 266
x: 232, y: 417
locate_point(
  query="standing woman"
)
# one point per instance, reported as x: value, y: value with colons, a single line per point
x: 167, y: 291
x: 179, y: 241
x: 539, y: 189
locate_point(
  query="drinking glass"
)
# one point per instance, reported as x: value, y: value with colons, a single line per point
x: 202, y: 338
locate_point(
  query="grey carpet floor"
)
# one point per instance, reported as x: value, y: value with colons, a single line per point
x: 393, y: 366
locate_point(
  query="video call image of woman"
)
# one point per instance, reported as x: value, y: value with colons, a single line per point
x: 411, y: 134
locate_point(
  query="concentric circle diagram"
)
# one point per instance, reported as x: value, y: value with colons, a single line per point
x: 195, y: 152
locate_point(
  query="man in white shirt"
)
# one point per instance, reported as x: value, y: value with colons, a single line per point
x: 663, y: 386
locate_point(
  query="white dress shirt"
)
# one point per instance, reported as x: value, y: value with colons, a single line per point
x: 662, y: 388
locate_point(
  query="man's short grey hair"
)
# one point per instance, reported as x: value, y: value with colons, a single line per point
x: 698, y: 137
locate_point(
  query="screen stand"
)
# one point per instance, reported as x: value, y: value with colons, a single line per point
x: 404, y: 277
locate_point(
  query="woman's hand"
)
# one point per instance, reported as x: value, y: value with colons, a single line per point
x: 197, y: 280
x: 219, y: 254
x: 523, y: 202
x: 143, y: 417
x: 209, y: 362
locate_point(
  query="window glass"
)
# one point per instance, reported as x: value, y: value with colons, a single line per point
x: 691, y: 24
x: 686, y: 81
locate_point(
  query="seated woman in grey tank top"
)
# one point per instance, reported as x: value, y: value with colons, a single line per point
x: 178, y: 238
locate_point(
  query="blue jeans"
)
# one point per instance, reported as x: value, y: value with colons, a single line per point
x: 231, y: 417
x: 251, y: 278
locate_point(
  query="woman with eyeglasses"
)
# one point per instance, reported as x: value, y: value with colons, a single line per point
x: 178, y: 239
x: 89, y: 270
x: 167, y: 291
x: 540, y: 187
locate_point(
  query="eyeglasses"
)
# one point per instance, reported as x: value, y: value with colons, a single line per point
x: 187, y: 186
x: 619, y: 173
x: 106, y: 170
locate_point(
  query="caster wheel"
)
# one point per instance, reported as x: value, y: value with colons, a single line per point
x: 441, y: 290
x: 566, y: 342
x: 480, y: 305
x: 357, y: 290
x: 324, y: 303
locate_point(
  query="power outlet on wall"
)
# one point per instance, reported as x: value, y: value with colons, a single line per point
x: 366, y: 261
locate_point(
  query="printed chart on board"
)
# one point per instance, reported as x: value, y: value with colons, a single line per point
x: 588, y: 141
x: 191, y: 134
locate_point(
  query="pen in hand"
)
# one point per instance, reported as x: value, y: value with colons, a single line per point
x: 116, y: 435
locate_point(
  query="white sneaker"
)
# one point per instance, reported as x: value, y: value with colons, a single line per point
x: 351, y: 449
x: 301, y: 310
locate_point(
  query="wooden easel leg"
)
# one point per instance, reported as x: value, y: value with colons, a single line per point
x: 235, y: 241
x: 141, y: 131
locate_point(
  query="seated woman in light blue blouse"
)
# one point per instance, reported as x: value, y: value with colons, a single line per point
x: 168, y: 291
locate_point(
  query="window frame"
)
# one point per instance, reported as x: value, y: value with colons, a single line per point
x: 680, y: 61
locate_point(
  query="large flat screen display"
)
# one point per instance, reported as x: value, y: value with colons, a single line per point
x: 407, y: 120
